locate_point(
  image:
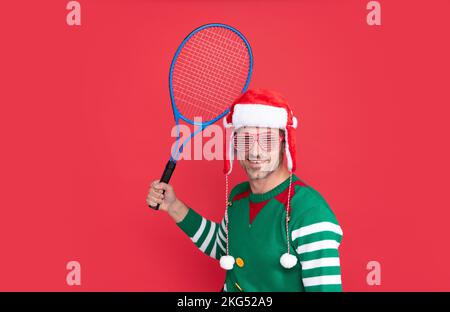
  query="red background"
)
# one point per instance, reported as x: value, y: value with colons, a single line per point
x: 85, y: 126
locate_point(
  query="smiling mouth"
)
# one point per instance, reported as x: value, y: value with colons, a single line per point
x: 257, y: 162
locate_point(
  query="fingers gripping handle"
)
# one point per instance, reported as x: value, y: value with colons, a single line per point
x: 170, y: 167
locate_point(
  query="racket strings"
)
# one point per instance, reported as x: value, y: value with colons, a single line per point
x: 210, y: 72
x: 234, y: 49
x: 220, y: 53
x: 208, y: 89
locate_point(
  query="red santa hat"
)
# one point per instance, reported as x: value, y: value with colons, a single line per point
x: 260, y: 108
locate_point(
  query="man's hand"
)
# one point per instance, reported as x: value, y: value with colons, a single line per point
x: 168, y: 201
x: 155, y: 195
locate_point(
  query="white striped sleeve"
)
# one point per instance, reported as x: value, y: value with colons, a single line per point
x: 317, y: 236
x: 205, y: 234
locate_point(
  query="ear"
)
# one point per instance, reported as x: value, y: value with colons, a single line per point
x: 282, y: 151
x: 283, y: 145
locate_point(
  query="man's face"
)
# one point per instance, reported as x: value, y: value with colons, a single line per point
x: 259, y: 150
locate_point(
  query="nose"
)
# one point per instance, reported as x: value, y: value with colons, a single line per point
x: 255, y: 151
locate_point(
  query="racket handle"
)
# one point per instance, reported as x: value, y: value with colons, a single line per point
x: 170, y: 167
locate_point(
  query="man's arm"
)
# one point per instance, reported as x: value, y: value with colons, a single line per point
x: 207, y: 235
x: 316, y: 236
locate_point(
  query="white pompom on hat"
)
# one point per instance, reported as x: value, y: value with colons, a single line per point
x: 227, y: 262
x: 288, y: 261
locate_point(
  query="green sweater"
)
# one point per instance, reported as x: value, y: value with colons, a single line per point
x: 257, y: 239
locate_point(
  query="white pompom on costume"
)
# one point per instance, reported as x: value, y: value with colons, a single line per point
x: 288, y: 261
x: 227, y: 262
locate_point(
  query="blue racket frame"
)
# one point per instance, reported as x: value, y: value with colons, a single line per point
x: 176, y: 151
x: 176, y: 114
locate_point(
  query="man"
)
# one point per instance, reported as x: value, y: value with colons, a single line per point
x: 278, y: 234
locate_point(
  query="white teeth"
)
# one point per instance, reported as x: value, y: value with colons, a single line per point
x: 256, y: 161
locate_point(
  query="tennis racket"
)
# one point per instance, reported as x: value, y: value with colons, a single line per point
x: 210, y: 69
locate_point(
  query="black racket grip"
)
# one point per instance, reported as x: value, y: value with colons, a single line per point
x: 170, y: 167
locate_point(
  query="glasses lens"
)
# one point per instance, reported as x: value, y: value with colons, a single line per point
x: 243, y: 141
x: 268, y: 141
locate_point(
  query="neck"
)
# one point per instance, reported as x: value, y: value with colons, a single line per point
x: 259, y: 186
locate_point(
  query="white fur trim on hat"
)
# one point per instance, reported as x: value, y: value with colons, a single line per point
x: 288, y: 261
x: 259, y: 115
x: 294, y: 122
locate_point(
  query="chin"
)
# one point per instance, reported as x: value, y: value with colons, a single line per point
x: 258, y: 174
